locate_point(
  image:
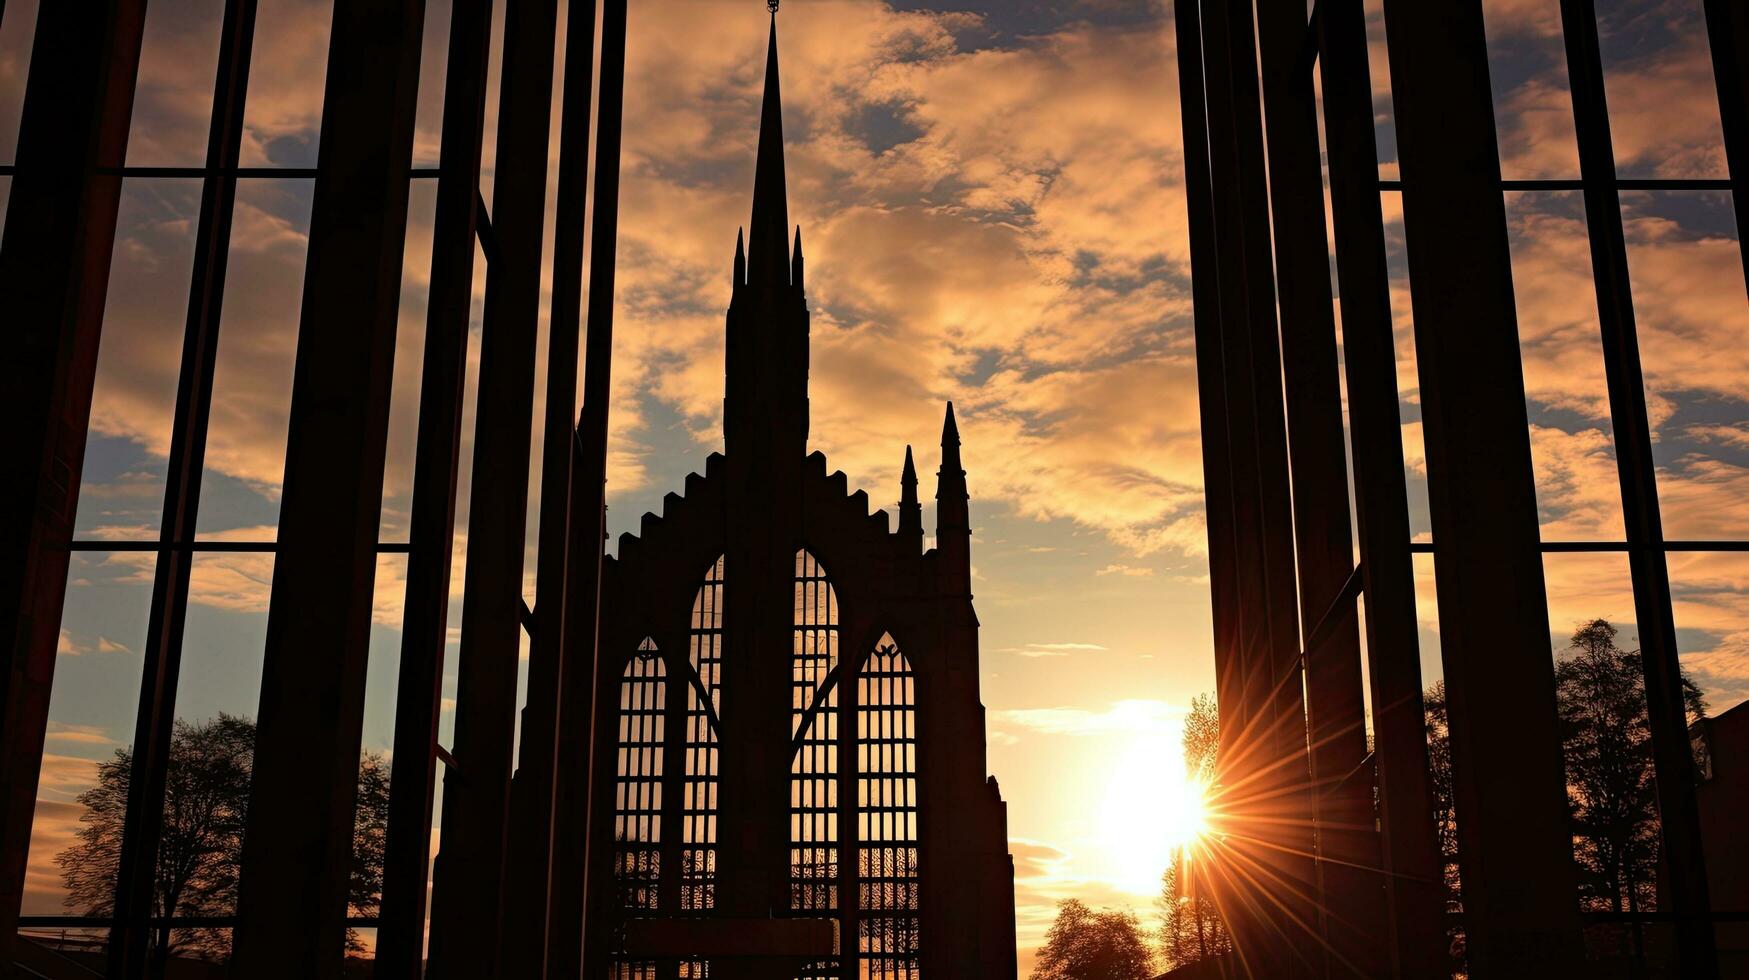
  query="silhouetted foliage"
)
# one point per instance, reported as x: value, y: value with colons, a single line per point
x: 1191, y: 929
x: 206, y: 805
x: 1606, y: 742
x: 1088, y: 945
x: 1202, y: 738
x: 1433, y: 703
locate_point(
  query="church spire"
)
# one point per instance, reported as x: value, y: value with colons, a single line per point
x: 768, y: 234
x: 910, y: 510
x: 953, y: 526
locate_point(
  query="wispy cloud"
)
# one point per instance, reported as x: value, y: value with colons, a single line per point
x: 1135, y: 716
x: 1053, y: 649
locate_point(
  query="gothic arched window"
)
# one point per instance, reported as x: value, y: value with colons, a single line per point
x: 886, y: 814
x: 813, y: 870
x: 704, y: 705
x: 637, y: 802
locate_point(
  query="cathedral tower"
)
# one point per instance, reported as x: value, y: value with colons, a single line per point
x: 788, y: 717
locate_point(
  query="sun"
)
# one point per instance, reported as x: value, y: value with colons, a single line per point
x: 1151, y: 809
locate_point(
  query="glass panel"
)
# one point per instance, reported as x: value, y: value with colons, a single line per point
x: 139, y: 358
x: 889, y: 922
x: 371, y: 817
x: 173, y: 99
x: 1687, y: 276
x: 1710, y: 601
x: 1712, y: 631
x: 1384, y: 111
x: 494, y: 74
x: 388, y: 610
x: 433, y: 73
x: 1566, y: 396
x: 1408, y: 372
x: 1439, y: 750
x: 212, y: 751
x: 1606, y: 744
x: 1663, y: 105
x: 245, y: 455
x: 17, y: 31
x: 82, y: 793
x: 282, y: 121
x: 404, y: 392
x: 1533, y: 110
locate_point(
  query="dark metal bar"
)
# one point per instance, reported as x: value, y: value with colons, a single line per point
x: 1684, y: 863
x: 1341, y: 607
x: 1515, y: 849
x: 158, y: 921
x: 483, y: 228
x: 1351, y: 909
x: 527, y: 917
x: 165, y: 547
x: 1566, y: 547
x: 276, y: 173
x: 400, y: 951
x: 297, y: 851
x: 1270, y: 799
x: 468, y: 897
x: 1232, y: 669
x: 1306, y: 52
x: 579, y: 756
x: 1211, y: 389
x: 54, y: 273
x: 1576, y: 184
x: 131, y: 934
x: 1409, y: 848
x: 1727, y: 25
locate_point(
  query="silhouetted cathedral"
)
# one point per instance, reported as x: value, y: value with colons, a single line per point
x: 787, y: 707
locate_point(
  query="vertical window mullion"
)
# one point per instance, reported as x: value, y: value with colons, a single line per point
x: 1679, y: 818
x: 130, y: 932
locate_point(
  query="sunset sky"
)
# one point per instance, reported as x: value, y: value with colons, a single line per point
x: 992, y: 207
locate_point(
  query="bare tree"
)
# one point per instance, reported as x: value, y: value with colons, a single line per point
x: 206, y: 805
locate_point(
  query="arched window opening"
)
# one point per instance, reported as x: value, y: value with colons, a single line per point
x: 704, y: 705
x: 814, y: 765
x: 637, y: 805
x: 886, y: 810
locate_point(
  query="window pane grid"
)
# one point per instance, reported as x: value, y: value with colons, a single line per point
x: 698, y: 868
x: 637, y: 815
x: 814, y: 766
x: 886, y: 749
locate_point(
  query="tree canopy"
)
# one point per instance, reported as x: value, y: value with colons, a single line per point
x: 206, y: 805
x: 1191, y: 929
x: 1606, y: 744
x: 1087, y: 945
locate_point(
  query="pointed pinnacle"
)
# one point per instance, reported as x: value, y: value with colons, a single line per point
x: 740, y: 258
x: 766, y: 248
x: 950, y: 430
x: 795, y: 262
x: 909, y: 477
